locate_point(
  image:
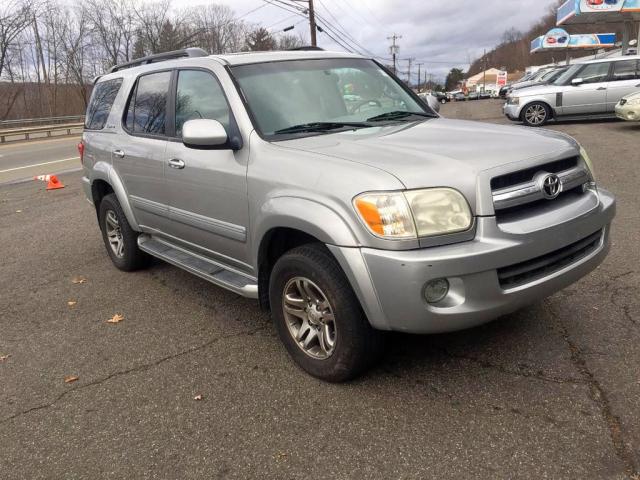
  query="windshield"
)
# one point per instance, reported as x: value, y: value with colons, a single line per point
x: 302, y: 97
x: 567, y: 75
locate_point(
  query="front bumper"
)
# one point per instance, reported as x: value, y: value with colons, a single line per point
x: 390, y: 284
x: 512, y: 112
x: 628, y: 113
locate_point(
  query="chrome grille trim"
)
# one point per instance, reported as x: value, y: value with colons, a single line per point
x: 531, y: 191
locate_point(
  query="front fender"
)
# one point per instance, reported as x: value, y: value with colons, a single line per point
x: 105, y: 172
x: 305, y: 215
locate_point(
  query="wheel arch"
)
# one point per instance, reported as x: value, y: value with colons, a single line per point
x: 551, y: 110
x: 105, y: 180
x: 287, y: 222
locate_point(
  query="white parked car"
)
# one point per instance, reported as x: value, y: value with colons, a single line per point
x: 628, y: 108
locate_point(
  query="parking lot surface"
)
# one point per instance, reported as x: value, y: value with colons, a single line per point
x: 194, y: 383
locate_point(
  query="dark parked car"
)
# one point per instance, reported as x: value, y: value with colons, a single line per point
x: 484, y: 95
x: 441, y: 96
x: 459, y: 97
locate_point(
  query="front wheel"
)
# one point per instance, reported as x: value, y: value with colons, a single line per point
x: 319, y: 318
x: 536, y: 114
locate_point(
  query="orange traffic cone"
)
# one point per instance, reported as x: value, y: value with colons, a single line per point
x: 52, y: 181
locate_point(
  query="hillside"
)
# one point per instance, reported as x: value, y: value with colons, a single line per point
x: 513, y: 51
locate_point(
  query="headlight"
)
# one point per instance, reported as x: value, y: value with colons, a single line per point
x: 587, y: 161
x: 414, y: 213
x: 514, y: 101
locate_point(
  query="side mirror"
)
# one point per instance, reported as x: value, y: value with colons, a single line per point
x: 577, y: 81
x: 203, y: 133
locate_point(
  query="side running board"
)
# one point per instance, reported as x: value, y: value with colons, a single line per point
x: 200, y: 266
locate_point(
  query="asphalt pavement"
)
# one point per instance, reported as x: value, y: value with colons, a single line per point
x: 193, y: 382
x: 24, y: 160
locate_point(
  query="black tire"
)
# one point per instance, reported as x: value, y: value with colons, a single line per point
x: 535, y: 114
x: 357, y: 345
x: 132, y: 257
x: 443, y: 101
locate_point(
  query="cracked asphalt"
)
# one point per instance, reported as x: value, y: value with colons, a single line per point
x: 552, y: 391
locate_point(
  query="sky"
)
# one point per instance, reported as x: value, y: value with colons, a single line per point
x: 439, y: 34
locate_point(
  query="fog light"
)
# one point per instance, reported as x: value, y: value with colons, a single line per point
x: 436, y: 290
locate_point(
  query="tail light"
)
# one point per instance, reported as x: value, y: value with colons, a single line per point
x: 81, y: 152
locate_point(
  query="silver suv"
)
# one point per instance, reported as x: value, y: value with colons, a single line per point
x: 585, y: 90
x: 320, y: 185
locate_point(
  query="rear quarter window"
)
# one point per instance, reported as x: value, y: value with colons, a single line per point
x: 102, y: 98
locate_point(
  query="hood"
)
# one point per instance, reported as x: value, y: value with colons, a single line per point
x: 632, y: 96
x: 439, y: 152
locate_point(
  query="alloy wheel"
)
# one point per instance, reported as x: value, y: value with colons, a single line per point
x: 114, y: 233
x: 536, y: 114
x: 309, y: 317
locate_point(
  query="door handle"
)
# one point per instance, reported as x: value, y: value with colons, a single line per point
x: 176, y: 163
x: 119, y: 153
x: 601, y: 88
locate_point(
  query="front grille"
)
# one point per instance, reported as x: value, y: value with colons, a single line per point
x: 526, y: 175
x: 539, y: 267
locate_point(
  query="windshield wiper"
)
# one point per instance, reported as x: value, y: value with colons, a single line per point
x: 321, y: 127
x: 397, y: 115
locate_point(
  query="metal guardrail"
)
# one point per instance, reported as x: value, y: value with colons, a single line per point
x: 25, y: 133
x: 43, y: 120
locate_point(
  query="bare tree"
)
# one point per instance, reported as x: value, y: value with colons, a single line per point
x: 218, y: 29
x: 113, y: 27
x: 15, y: 17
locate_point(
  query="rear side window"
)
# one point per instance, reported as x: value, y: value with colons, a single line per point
x: 102, y: 98
x: 626, y: 70
x: 147, y: 110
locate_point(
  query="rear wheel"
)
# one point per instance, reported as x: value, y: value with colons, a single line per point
x: 536, y: 114
x: 319, y: 318
x: 119, y: 238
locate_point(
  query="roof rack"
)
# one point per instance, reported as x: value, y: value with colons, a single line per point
x: 160, y: 57
x: 306, y: 49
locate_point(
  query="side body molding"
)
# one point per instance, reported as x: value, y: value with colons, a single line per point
x: 105, y: 171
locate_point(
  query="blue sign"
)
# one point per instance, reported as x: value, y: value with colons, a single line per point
x: 574, y: 8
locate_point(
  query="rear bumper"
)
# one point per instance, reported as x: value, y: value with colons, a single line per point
x: 390, y: 284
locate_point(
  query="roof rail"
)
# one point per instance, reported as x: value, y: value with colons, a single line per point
x: 306, y: 49
x: 160, y: 57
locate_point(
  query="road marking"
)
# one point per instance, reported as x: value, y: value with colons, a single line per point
x: 39, y: 164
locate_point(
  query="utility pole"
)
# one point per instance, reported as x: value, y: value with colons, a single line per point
x: 312, y: 24
x: 313, y: 27
x: 409, y: 61
x: 419, y: 75
x: 393, y: 49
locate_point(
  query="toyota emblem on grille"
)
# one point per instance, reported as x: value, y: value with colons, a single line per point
x: 550, y: 186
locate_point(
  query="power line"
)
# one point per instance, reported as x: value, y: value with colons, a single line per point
x: 340, y: 29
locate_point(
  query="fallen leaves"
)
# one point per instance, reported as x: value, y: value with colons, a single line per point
x: 198, y: 397
x: 71, y: 378
x: 117, y: 318
x: 78, y: 280
x: 71, y: 303
x: 18, y: 211
x: 4, y: 357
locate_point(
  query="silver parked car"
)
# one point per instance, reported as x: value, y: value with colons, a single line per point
x: 344, y: 218
x: 585, y: 90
